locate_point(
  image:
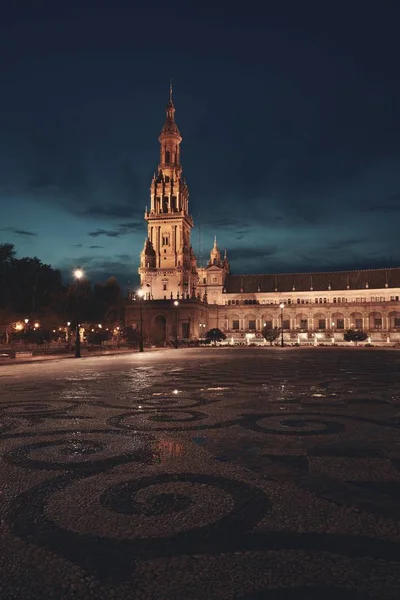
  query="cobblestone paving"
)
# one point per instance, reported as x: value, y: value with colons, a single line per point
x: 211, y: 473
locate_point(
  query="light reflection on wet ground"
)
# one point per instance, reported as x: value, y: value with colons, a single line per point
x: 245, y: 471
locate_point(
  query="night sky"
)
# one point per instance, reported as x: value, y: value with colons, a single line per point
x: 290, y: 124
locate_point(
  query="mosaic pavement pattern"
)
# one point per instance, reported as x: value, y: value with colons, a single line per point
x: 202, y: 473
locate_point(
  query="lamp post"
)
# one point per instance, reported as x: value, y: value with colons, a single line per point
x: 26, y: 321
x: 333, y: 331
x: 176, y: 304
x: 78, y: 274
x: 141, y: 294
x: 68, y: 335
x: 282, y: 306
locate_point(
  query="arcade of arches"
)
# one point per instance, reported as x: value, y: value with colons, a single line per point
x: 163, y: 320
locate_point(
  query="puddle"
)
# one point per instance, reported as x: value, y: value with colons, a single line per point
x: 216, y: 389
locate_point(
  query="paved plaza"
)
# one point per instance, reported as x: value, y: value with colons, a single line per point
x: 228, y: 473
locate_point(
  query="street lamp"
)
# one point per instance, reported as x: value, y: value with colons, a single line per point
x: 176, y: 304
x: 333, y: 331
x: 141, y: 293
x: 68, y: 335
x: 282, y: 306
x: 78, y: 274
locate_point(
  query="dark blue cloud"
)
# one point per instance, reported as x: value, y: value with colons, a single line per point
x: 291, y: 133
x: 17, y: 231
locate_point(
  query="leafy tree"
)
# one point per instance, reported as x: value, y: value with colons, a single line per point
x: 270, y: 334
x: 96, y: 338
x: 131, y: 335
x: 355, y: 335
x: 26, y: 284
x: 34, y: 290
x: 107, y: 303
x: 215, y: 335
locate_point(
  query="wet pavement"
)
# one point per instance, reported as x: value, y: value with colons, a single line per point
x: 202, y: 473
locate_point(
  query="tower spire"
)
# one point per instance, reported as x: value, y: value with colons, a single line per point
x: 167, y: 261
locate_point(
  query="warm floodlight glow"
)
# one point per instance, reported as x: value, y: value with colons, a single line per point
x: 68, y: 323
x: 36, y: 325
x: 78, y: 273
x: 140, y: 293
x: 281, y: 305
x: 99, y: 325
x: 176, y: 303
x: 26, y: 321
x: 19, y: 326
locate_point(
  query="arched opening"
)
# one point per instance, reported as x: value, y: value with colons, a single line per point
x: 320, y: 321
x: 337, y: 321
x: 250, y: 322
x: 394, y: 320
x: 375, y: 320
x: 160, y: 330
x: 356, y: 320
x: 302, y: 322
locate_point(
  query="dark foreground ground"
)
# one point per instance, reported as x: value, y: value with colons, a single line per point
x: 199, y: 474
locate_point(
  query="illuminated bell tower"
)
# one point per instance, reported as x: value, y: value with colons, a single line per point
x: 167, y: 261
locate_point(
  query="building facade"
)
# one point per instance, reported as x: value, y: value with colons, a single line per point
x: 182, y: 299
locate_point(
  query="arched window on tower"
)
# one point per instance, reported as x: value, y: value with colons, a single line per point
x: 165, y: 204
x: 167, y: 156
x: 173, y: 204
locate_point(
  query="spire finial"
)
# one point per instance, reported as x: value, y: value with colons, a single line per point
x: 215, y: 241
x: 170, y: 89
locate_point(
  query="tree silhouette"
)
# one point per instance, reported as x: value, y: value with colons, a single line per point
x: 215, y: 335
x: 355, y: 335
x: 270, y: 334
